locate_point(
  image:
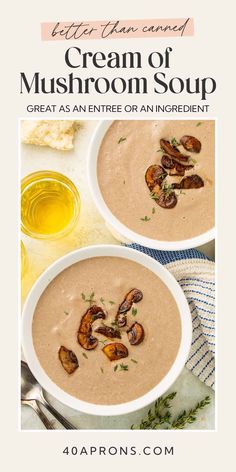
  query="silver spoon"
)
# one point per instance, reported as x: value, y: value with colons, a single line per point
x: 32, y: 393
x: 34, y: 404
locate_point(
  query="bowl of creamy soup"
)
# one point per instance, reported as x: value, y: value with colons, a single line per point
x: 106, y: 330
x: 153, y: 180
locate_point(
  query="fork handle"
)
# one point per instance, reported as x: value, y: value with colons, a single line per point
x: 57, y: 415
x: 40, y: 413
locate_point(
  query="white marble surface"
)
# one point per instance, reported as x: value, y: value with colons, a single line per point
x: 91, y: 229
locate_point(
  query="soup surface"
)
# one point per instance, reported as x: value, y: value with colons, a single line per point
x: 105, y: 281
x: 128, y: 149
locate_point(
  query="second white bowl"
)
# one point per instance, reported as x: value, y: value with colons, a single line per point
x: 120, y: 231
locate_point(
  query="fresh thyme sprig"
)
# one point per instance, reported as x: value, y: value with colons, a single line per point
x: 160, y: 414
x: 189, y: 417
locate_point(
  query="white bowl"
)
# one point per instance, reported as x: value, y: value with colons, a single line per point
x: 41, y: 285
x: 118, y: 227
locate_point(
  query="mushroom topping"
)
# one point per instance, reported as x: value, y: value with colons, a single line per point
x: 87, y: 341
x: 121, y: 319
x: 135, y: 334
x: 84, y: 336
x: 172, y: 151
x: 92, y: 314
x: 156, y: 192
x: 155, y: 175
x: 179, y: 168
x: 134, y: 296
x: 167, y: 199
x: 167, y: 162
x: 115, y: 351
x: 174, y: 165
x: 108, y: 331
x: 68, y: 359
x: 191, y: 144
x: 191, y: 181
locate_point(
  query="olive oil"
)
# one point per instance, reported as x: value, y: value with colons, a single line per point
x: 50, y: 205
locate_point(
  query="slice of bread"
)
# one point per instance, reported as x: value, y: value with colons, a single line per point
x: 57, y: 134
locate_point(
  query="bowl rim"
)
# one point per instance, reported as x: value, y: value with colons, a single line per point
x: 110, y: 251
x: 108, y: 216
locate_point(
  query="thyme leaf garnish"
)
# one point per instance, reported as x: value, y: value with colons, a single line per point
x: 89, y: 298
x: 167, y: 189
x: 154, y: 196
x: 189, y: 417
x: 174, y: 142
x: 134, y: 311
x: 103, y: 341
x: 121, y: 140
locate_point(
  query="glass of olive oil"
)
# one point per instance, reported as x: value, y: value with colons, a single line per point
x: 50, y: 205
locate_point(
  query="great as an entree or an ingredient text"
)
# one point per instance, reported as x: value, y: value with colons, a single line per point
x: 68, y: 359
x: 84, y: 336
x: 134, y: 296
x: 115, y: 351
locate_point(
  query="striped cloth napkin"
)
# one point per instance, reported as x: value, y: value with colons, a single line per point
x: 196, y: 275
